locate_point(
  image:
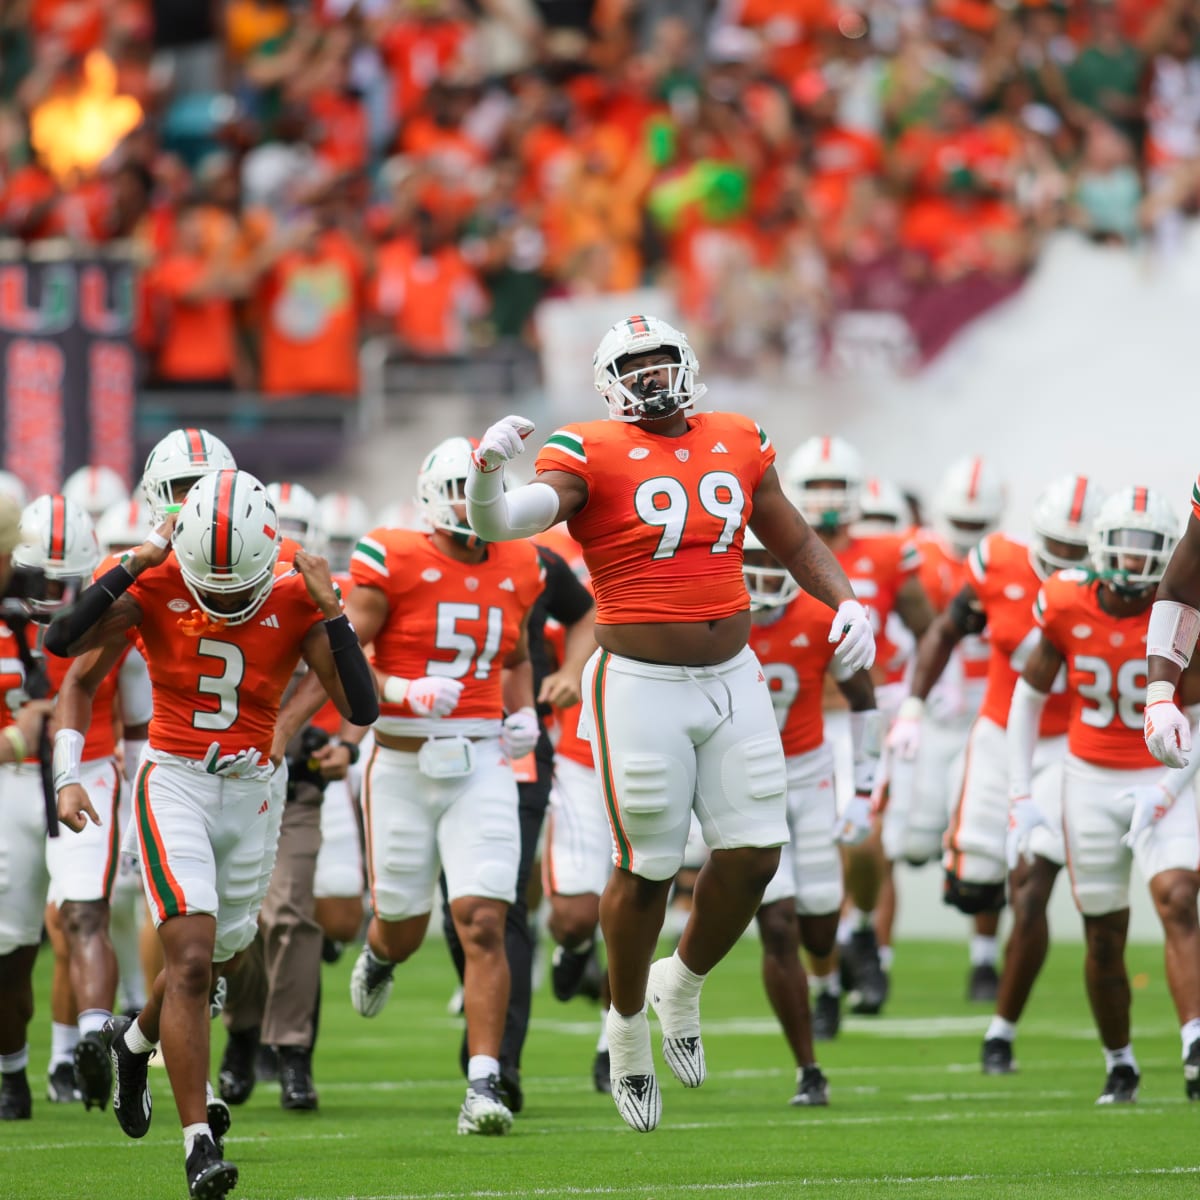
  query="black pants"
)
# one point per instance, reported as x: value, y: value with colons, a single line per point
x: 518, y: 936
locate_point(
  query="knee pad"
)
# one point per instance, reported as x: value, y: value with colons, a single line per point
x: 972, y: 898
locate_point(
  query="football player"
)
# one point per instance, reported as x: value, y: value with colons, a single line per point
x: 222, y: 629
x: 446, y: 614
x: 676, y: 705
x: 95, y: 489
x: 1118, y: 805
x: 178, y: 461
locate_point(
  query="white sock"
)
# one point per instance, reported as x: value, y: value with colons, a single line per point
x: 63, y: 1040
x: 886, y: 957
x: 481, y: 1067
x: 846, y: 927
x: 10, y: 1064
x: 829, y: 985
x: 1120, y: 1058
x: 383, y: 962
x: 208, y: 1092
x: 687, y: 982
x: 1000, y: 1028
x: 191, y: 1133
x: 1189, y: 1033
x: 92, y: 1020
x: 602, y: 1040
x: 629, y: 1043
x: 136, y: 1040
x: 984, y: 951
x: 582, y: 948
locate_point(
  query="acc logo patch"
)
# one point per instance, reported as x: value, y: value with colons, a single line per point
x: 1013, y: 591
x: 472, y: 583
x: 179, y: 605
x: 682, y: 455
x: 639, y: 452
x: 1081, y: 631
x: 431, y: 574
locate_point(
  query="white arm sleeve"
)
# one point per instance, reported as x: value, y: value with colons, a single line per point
x: 1023, y: 718
x: 133, y: 683
x: 500, y: 516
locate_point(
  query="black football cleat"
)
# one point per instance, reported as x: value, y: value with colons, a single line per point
x: 813, y: 1089
x: 237, y: 1076
x: 131, y: 1102
x: 997, y: 1057
x: 1121, y: 1086
x: 826, y: 1017
x: 601, y: 1073
x: 16, y: 1100
x: 983, y: 984
x: 297, y: 1092
x: 93, y: 1070
x: 209, y: 1176
x: 1191, y: 1071
x: 567, y: 969
x: 870, y: 980
x: 60, y: 1085
x: 220, y: 1121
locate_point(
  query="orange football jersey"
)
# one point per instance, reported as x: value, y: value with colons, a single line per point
x: 450, y: 618
x: 100, y: 741
x: 569, y: 744
x: 795, y: 652
x: 221, y: 685
x: 878, y: 568
x: 1001, y: 575
x: 942, y: 576
x: 1196, y: 499
x: 12, y: 673
x: 663, y: 525
x: 1106, y: 671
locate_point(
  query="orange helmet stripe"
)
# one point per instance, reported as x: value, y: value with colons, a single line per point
x: 196, y: 451
x: 1139, y: 499
x: 58, y: 527
x: 222, y: 522
x: 973, y: 482
x: 1081, y: 487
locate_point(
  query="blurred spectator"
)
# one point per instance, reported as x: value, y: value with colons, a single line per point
x: 1108, y: 191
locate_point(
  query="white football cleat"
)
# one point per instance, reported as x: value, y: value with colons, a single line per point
x: 483, y: 1111
x: 679, y: 1017
x: 370, y: 984
x: 631, y: 1072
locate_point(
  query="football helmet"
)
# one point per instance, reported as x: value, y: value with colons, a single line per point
x: 825, y: 478
x: 296, y: 508
x: 884, y: 509
x: 1063, y: 513
x: 57, y: 539
x: 123, y: 526
x: 226, y: 541
x: 969, y: 504
x: 631, y: 397
x: 767, y: 583
x: 1131, y: 540
x: 342, y: 518
x: 11, y: 486
x: 182, y: 457
x: 441, y: 484
x: 95, y: 489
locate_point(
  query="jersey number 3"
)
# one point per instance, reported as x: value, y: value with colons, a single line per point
x: 223, y: 686
x: 664, y: 503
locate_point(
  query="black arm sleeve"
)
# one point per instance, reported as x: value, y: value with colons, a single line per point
x: 353, y: 670
x: 68, y: 627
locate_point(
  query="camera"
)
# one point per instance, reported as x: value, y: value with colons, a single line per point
x: 301, y: 768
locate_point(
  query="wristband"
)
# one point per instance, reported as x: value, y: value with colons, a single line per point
x: 1159, y: 691
x: 340, y: 633
x: 395, y: 689
x: 1172, y: 631
x: 912, y: 708
x: 68, y: 756
x: 156, y: 539
x: 17, y: 739
x: 352, y: 748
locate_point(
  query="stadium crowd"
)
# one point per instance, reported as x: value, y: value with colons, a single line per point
x: 298, y: 176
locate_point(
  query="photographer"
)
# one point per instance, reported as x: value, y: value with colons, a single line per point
x: 22, y: 816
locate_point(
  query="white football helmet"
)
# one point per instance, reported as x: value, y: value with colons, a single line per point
x: 11, y: 486
x: 825, y: 478
x: 1063, y: 513
x: 342, y: 518
x: 969, y: 504
x: 124, y: 525
x: 629, y: 396
x: 767, y: 583
x: 884, y: 509
x: 441, y: 484
x: 57, y: 539
x: 182, y: 457
x: 94, y: 489
x: 1132, y: 539
x: 226, y: 541
x: 296, y: 508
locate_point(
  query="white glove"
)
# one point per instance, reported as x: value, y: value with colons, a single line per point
x: 904, y: 737
x: 1168, y: 733
x: 1151, y: 802
x: 851, y: 629
x: 501, y: 443
x: 854, y: 825
x: 433, y: 695
x: 241, y: 765
x: 1024, y: 817
x: 519, y: 733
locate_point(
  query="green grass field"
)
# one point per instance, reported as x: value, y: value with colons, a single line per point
x: 911, y: 1115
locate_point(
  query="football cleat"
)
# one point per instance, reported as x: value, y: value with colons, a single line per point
x: 511, y: 1091
x: 682, y: 1046
x: 983, y: 984
x: 16, y: 1100
x: 1121, y: 1086
x: 237, y: 1076
x: 93, y: 1069
x: 870, y: 981
x: 827, y: 1017
x: 60, y: 1085
x: 220, y: 1121
x: 209, y: 1177
x: 131, y: 1102
x: 602, y: 1072
x: 297, y: 1092
x: 266, y: 1064
x: 1191, y: 1071
x: 331, y: 950
x: 638, y: 1100
x: 812, y: 1090
x: 567, y: 969
x: 484, y: 1111
x: 997, y: 1057
x: 370, y: 984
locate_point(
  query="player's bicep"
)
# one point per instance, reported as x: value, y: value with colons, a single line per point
x: 572, y: 492
x: 317, y: 654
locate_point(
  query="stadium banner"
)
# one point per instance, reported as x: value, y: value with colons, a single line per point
x: 68, y: 367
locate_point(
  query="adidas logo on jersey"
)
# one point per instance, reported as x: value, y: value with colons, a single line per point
x: 271, y: 622
x: 506, y: 585
x: 266, y: 803
x: 719, y: 448
x: 800, y: 640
